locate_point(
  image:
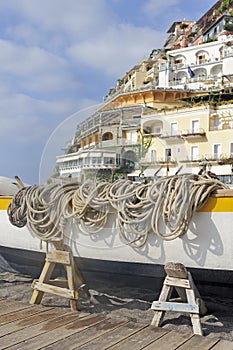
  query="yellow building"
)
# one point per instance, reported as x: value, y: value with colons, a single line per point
x: 193, y: 138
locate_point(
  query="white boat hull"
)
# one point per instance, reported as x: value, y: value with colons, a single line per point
x: 207, y: 247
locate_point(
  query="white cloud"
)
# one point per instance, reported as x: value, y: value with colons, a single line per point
x: 25, y: 119
x: 153, y: 9
x: 118, y: 49
x: 86, y: 31
x: 35, y: 68
x: 71, y: 17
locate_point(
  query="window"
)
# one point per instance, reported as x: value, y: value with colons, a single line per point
x: 177, y: 61
x: 157, y: 130
x: 174, y: 128
x: 153, y: 155
x: 194, y: 152
x: 195, y: 126
x: 168, y: 154
x: 217, y: 150
x: 201, y: 59
x: 231, y: 149
x: 96, y: 160
x: 86, y: 160
x: 215, y: 123
x: 133, y: 136
x: 108, y: 160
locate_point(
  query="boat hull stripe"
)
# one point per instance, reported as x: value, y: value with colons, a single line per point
x: 214, y: 204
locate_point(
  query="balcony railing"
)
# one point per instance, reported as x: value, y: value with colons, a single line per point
x: 131, y: 123
x: 193, y: 133
x: 158, y: 161
x: 223, y: 126
x: 184, y: 65
x: 171, y: 135
x: 118, y: 142
x: 220, y: 158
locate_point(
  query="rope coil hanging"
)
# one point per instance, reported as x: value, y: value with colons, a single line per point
x: 167, y: 204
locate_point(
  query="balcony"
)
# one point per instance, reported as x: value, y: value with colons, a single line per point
x: 222, y: 126
x: 131, y: 123
x: 118, y: 142
x: 171, y: 137
x: 219, y: 158
x: 193, y: 133
x: 158, y: 161
x: 152, y: 132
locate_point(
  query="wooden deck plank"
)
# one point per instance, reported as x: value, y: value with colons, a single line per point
x: 170, y: 341
x: 51, y: 337
x: 199, y: 342
x: 8, y: 307
x: 35, y: 319
x: 223, y: 345
x: 111, y: 338
x: 23, y: 313
x: 37, y: 327
x: 140, y: 339
x: 5, y: 301
x: 71, y: 336
x: 26, y: 331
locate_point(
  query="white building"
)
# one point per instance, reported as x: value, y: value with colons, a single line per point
x: 202, y: 67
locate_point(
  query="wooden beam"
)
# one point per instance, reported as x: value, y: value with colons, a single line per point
x: 175, y: 307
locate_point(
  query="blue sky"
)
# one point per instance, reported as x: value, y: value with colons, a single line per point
x: 58, y: 57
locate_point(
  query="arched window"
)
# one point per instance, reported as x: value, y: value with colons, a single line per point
x: 107, y: 136
x: 202, y: 56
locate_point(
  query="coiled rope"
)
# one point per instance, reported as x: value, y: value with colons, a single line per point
x: 164, y: 207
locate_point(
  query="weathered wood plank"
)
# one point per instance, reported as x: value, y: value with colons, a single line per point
x: 30, y: 327
x: 58, y: 256
x: 30, y: 321
x: 195, y: 318
x: 111, y: 338
x: 176, y: 282
x: 199, y: 342
x: 169, y: 341
x: 45, y: 275
x: 52, y: 336
x: 140, y: 339
x: 47, y: 288
x: 223, y: 345
x: 8, y: 308
x: 175, y: 307
x: 164, y: 296
x: 73, y: 335
x: 23, y: 313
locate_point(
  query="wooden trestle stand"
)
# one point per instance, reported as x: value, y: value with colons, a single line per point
x: 179, y: 278
x: 68, y: 288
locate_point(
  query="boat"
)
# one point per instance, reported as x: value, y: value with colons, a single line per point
x: 170, y: 114
x: 206, y: 249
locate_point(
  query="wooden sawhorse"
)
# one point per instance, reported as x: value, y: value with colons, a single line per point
x: 179, y: 278
x: 66, y: 288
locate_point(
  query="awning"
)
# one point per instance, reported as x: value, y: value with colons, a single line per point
x: 68, y: 158
x: 83, y: 155
x: 150, y: 172
x: 95, y: 154
x: 221, y: 169
x: 135, y: 173
x: 111, y: 154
